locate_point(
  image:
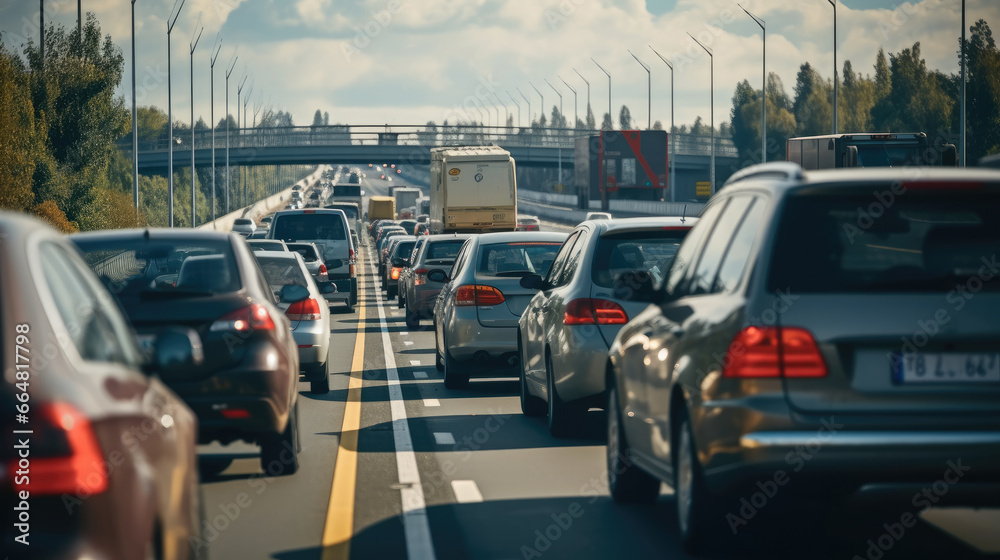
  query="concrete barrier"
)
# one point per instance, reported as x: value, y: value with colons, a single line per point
x: 263, y: 207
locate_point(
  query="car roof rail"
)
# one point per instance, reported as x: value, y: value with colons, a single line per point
x: 785, y: 170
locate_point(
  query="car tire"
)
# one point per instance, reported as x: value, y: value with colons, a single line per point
x: 354, y: 293
x: 626, y: 481
x: 697, y: 509
x: 531, y: 405
x: 438, y: 362
x: 564, y: 417
x: 454, y: 376
x: 273, y: 446
x: 320, y: 382
x: 412, y: 319
x: 400, y: 300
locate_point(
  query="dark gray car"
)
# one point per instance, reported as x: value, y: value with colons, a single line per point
x: 831, y: 329
x: 419, y: 292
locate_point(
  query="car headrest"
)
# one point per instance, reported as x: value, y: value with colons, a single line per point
x: 205, y: 273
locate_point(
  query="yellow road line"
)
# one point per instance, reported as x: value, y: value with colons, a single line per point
x: 339, y: 527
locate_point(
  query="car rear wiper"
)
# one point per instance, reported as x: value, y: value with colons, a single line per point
x: 512, y: 273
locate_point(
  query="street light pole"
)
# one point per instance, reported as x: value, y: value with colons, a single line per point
x: 170, y: 120
x: 649, y: 91
x: 506, y: 116
x: 610, y: 116
x: 228, y: 72
x: 194, y: 200
x: 588, y: 86
x: 711, y: 58
x: 576, y: 112
x: 211, y: 112
x: 559, y: 93
x: 243, y: 179
x: 673, y: 174
x: 528, y: 99
x: 518, y: 108
x: 962, y: 126
x: 542, y: 97
x: 135, y: 128
x: 836, y: 81
x: 763, y: 104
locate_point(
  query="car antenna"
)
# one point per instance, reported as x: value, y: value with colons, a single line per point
x: 683, y: 213
x: 146, y: 235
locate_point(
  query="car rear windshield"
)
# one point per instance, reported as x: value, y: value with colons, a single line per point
x: 516, y: 259
x: 241, y: 222
x: 281, y: 272
x: 923, y: 241
x: 349, y: 209
x: 308, y: 252
x: 309, y: 226
x: 650, y: 251
x: 408, y: 225
x: 403, y: 249
x: 443, y: 250
x: 135, y: 268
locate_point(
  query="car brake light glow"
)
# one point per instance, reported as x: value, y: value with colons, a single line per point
x: 478, y: 295
x: 68, y: 460
x: 305, y: 310
x: 772, y: 351
x: 587, y: 311
x: 322, y: 269
x: 235, y: 413
x: 245, y: 320
x: 395, y: 272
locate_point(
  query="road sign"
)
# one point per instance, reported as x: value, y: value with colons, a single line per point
x: 703, y: 188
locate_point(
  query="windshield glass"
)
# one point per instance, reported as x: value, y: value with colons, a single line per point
x: 648, y: 251
x: 517, y: 258
x: 292, y: 227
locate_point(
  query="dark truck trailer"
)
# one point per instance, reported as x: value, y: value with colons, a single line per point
x: 869, y: 149
x: 621, y: 164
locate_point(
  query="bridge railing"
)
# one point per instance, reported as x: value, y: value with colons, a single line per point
x: 407, y: 135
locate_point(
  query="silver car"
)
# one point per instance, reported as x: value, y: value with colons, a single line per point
x: 476, y: 314
x: 300, y: 298
x: 266, y: 244
x: 244, y: 226
x: 417, y: 292
x: 564, y: 334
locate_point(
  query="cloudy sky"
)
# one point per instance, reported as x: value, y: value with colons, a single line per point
x: 410, y: 61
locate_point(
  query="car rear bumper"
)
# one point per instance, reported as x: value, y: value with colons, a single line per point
x: 468, y: 340
x: 580, y: 369
x: 313, y: 340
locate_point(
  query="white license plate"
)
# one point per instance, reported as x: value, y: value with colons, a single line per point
x: 950, y: 367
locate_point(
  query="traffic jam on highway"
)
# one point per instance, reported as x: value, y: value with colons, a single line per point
x: 376, y: 370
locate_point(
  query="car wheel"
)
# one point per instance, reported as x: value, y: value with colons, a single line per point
x: 627, y: 482
x: 696, y: 508
x: 401, y: 301
x: 438, y: 362
x: 277, y: 448
x: 454, y: 377
x: 320, y: 385
x: 531, y: 405
x: 563, y: 416
x: 354, y: 293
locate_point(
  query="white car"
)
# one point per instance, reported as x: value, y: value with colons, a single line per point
x: 244, y: 226
x: 597, y: 216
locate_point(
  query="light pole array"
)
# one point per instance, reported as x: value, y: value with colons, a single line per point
x: 528, y: 100
x: 711, y: 58
x: 649, y: 91
x: 211, y: 118
x: 588, y: 86
x: 763, y: 88
x: 542, y: 97
x: 559, y: 93
x: 194, y: 200
x: 518, y: 108
x: 575, y: 108
x: 229, y: 71
x: 170, y: 120
x: 673, y: 174
x: 610, y: 116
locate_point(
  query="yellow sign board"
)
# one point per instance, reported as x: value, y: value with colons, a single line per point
x: 703, y: 188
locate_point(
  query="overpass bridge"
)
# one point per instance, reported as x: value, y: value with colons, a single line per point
x: 403, y: 145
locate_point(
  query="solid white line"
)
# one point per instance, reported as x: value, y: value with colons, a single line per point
x: 414, y: 362
x: 420, y: 374
x: 408, y: 342
x: 416, y: 528
x: 444, y: 438
x: 432, y: 402
x: 466, y: 491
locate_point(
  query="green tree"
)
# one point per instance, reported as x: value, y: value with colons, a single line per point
x: 625, y: 118
x: 857, y: 100
x: 318, y: 118
x: 883, y: 76
x: 744, y: 132
x: 657, y: 125
x: 917, y: 101
x: 607, y: 123
x: 982, y: 94
x: 19, y: 147
x: 812, y: 106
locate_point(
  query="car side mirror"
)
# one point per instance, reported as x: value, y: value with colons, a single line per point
x: 437, y: 275
x: 532, y: 282
x: 177, y: 351
x: 291, y: 293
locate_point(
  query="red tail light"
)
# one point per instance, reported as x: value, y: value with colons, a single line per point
x: 477, y: 295
x: 395, y: 272
x: 350, y: 255
x: 768, y: 351
x: 420, y: 276
x: 322, y: 269
x: 305, y: 310
x: 587, y: 311
x: 235, y: 413
x: 245, y: 320
x: 65, y: 457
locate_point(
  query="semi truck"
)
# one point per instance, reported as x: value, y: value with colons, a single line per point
x: 869, y: 149
x: 381, y: 208
x: 406, y: 198
x: 473, y: 190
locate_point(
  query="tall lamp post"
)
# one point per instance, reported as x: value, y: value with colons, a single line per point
x: 610, y: 116
x: 763, y: 104
x: 506, y: 116
x: 962, y: 125
x: 711, y: 58
x: 194, y: 200
x: 135, y: 128
x: 836, y: 81
x: 239, y: 128
x: 229, y: 72
x: 243, y: 179
x: 542, y: 97
x: 673, y: 174
x: 518, y: 107
x: 170, y: 119
x: 559, y: 93
x: 576, y: 112
x: 588, y: 86
x: 211, y: 112
x: 528, y: 100
x: 649, y: 91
